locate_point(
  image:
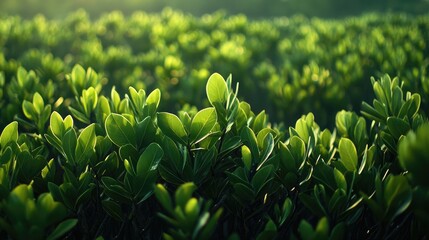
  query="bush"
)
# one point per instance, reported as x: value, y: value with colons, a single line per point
x: 112, y: 166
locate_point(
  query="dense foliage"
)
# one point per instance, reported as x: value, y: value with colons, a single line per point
x: 91, y: 172
x: 87, y: 154
x: 297, y: 64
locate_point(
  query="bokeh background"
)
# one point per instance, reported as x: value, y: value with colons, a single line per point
x: 301, y: 55
x: 251, y: 8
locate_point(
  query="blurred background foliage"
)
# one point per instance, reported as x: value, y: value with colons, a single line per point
x: 290, y: 57
x: 251, y: 8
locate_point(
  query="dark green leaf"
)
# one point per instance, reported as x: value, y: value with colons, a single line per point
x: 171, y: 126
x: 397, y: 127
x: 113, y: 209
x: 149, y: 159
x: 62, y: 229
x: 120, y: 130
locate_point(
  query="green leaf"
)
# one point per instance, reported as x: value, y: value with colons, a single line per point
x: 415, y: 105
x: 38, y: 103
x: 137, y: 98
x: 306, y: 230
x: 360, y: 134
x: 249, y: 139
x: 262, y: 135
x: 348, y: 154
x: 171, y: 126
x: 210, y: 227
x: 246, y: 157
x: 184, y: 193
x: 413, y: 154
x: 113, y: 209
x: 397, y: 127
x: 9, y: 134
x: 129, y: 152
x: 6, y: 155
x: 56, y: 124
x: 397, y: 100
x: 322, y: 228
x: 163, y: 197
x: 29, y: 110
x: 297, y: 148
x: 115, y: 189
x: 85, y: 145
x: 379, y: 93
x: 397, y: 194
x: 129, y: 168
x: 338, y: 232
x: 216, y: 89
x: 149, y: 159
x: 202, y: 123
x: 303, y: 127
x: 202, y: 221
x: 78, y: 76
x: 259, y: 122
x: 89, y: 100
x: 262, y: 177
x: 389, y: 141
x: 244, y: 192
x: 267, y: 150
x: 152, y: 102
x: 62, y: 229
x: 340, y: 180
x: 192, y: 210
x: 172, y: 152
x: 372, y: 114
x: 286, y: 210
x: 69, y: 142
x: 120, y: 130
x: 340, y: 122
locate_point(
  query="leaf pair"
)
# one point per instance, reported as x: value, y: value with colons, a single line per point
x: 37, y: 111
x: 200, y: 128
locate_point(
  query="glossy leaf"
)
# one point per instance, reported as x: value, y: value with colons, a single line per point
x: 171, y: 126
x: 348, y: 154
x: 120, y: 130
x: 216, y: 89
x: 85, y: 144
x: 149, y: 159
x: 152, y: 102
x: 202, y: 123
x: 9, y: 134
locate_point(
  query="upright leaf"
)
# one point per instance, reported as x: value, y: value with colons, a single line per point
x: 85, y: 144
x: 152, y: 102
x: 348, y: 154
x: 216, y: 89
x: 202, y: 123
